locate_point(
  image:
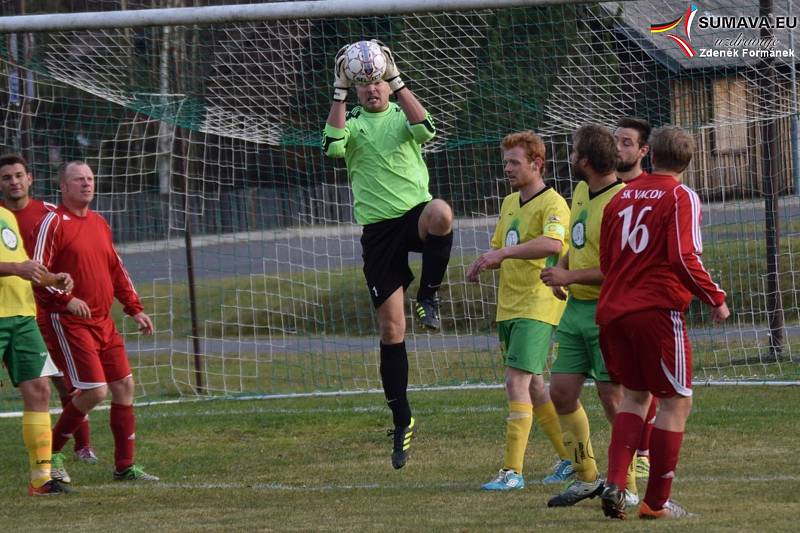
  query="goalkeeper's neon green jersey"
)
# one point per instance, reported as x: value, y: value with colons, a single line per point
x: 384, y: 161
x: 522, y: 294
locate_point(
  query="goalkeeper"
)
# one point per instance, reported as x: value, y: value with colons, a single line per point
x: 381, y: 144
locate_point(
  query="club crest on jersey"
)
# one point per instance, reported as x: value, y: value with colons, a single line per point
x: 578, y: 234
x: 512, y: 237
x: 10, y: 239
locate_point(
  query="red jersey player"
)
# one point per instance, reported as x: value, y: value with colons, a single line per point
x: 15, y: 181
x: 632, y: 136
x: 650, y: 250
x: 78, y: 327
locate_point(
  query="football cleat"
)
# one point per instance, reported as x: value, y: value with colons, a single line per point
x: 86, y: 455
x: 57, y: 470
x: 505, y: 480
x: 562, y: 471
x: 134, y: 473
x: 402, y: 442
x: 642, y: 466
x: 631, y: 499
x: 670, y: 509
x: 613, y: 501
x: 427, y: 311
x: 576, y: 491
x: 51, y: 488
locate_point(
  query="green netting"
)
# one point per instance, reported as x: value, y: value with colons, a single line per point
x: 216, y: 130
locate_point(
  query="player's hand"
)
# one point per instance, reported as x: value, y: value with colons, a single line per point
x: 340, y: 82
x: 721, y: 313
x: 144, y: 322
x: 559, y: 292
x: 489, y: 260
x: 63, y: 281
x: 78, y: 307
x: 32, y: 271
x: 392, y: 73
x: 555, y: 277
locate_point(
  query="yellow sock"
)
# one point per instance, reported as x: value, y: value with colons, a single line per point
x: 630, y: 483
x: 578, y: 444
x: 36, y: 434
x: 548, y: 418
x: 518, y: 428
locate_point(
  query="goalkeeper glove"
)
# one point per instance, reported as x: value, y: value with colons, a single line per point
x: 392, y: 73
x: 340, y: 81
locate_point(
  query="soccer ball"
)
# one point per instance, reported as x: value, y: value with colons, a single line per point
x: 364, y: 63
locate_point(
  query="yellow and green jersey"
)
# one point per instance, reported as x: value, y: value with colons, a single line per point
x: 586, y: 218
x: 383, y: 153
x: 522, y: 294
x: 16, y: 294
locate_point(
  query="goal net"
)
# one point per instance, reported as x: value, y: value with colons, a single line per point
x: 239, y: 233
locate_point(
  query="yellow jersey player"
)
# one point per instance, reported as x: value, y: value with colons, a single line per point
x: 530, y: 234
x: 594, y: 159
x: 24, y: 352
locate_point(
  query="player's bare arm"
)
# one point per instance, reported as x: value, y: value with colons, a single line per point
x: 28, y: 270
x: 561, y: 277
x: 415, y: 112
x: 534, y: 249
x: 61, y: 281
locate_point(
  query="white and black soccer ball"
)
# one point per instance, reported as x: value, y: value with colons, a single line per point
x: 365, y: 62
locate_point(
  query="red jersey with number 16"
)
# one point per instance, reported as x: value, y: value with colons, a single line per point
x: 83, y: 247
x: 650, y: 249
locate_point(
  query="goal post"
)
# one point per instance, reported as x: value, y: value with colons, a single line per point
x: 204, y: 134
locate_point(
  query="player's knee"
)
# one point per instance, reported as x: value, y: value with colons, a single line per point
x: 392, y: 336
x: 440, y: 217
x: 88, y: 398
x: 122, y: 390
x: 562, y: 399
x: 392, y: 332
x: 37, y: 393
x: 517, y: 384
x: 610, y: 398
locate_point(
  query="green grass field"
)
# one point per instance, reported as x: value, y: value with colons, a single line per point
x: 323, y: 464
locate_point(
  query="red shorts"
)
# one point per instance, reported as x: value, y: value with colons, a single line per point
x: 649, y: 351
x: 90, y: 352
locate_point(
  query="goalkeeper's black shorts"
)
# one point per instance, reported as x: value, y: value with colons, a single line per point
x: 384, y: 248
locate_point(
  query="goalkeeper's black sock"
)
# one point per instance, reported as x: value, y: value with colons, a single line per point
x: 435, y: 256
x: 394, y: 376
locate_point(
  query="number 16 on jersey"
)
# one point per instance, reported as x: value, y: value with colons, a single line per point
x: 638, y: 236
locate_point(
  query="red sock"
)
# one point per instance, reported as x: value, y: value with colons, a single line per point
x: 123, y: 427
x: 649, y: 420
x: 665, y: 446
x: 625, y: 434
x: 67, y: 423
x: 82, y: 439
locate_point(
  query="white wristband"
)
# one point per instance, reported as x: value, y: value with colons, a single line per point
x: 396, y: 83
x: 339, y: 94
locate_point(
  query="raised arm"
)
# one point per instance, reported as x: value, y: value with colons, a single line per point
x: 334, y: 137
x: 420, y: 122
